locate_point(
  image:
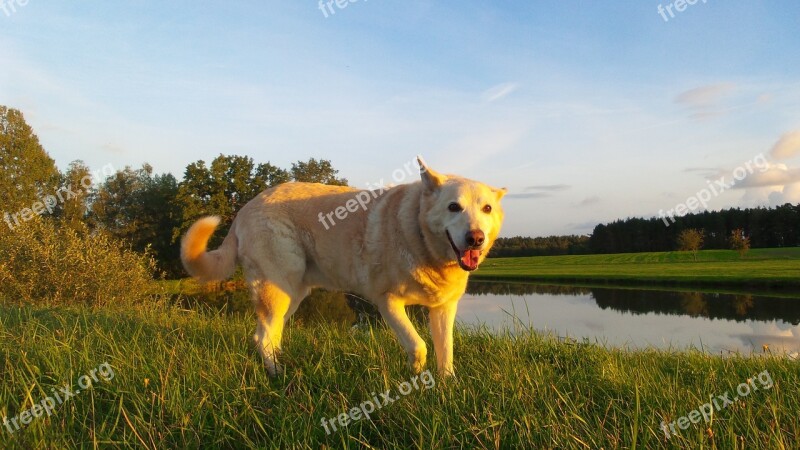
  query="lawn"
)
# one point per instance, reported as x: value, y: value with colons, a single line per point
x: 175, y: 378
x: 760, y: 268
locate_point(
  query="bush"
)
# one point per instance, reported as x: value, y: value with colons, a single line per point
x: 43, y: 263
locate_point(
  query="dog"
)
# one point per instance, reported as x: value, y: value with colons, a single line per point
x: 411, y: 244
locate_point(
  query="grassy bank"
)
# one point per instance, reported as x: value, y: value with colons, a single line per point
x: 185, y: 379
x: 759, y: 269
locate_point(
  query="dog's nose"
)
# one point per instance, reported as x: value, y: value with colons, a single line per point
x: 475, y: 238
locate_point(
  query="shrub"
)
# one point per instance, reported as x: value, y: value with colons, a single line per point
x: 43, y: 263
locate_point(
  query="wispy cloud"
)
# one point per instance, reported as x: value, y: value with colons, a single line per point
x: 499, y: 91
x: 548, y: 187
x: 589, y: 201
x: 539, y: 191
x: 706, y: 102
x: 704, y: 96
x: 787, y: 146
x: 529, y: 195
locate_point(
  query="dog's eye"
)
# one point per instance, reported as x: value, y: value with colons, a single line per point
x: 454, y: 207
x: 487, y: 209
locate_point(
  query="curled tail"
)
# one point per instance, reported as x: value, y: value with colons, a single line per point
x: 215, y: 265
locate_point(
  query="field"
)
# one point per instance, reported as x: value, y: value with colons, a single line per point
x: 760, y: 268
x: 164, y: 376
x: 187, y: 379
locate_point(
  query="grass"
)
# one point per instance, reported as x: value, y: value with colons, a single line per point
x: 186, y: 379
x: 759, y: 269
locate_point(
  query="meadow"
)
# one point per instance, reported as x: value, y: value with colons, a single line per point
x: 770, y: 268
x: 186, y: 375
x: 192, y: 379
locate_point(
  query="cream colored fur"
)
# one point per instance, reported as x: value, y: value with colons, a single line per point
x: 395, y: 253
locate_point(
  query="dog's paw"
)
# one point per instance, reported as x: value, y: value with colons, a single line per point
x: 418, y: 359
x: 448, y: 373
x: 274, y: 369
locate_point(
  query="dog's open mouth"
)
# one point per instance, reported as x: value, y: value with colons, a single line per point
x: 467, y: 259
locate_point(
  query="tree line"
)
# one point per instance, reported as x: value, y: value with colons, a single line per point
x: 734, y: 228
x: 150, y: 212
x: 147, y: 211
x: 730, y: 228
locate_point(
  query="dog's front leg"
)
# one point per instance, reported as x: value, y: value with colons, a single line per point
x: 394, y: 313
x: 442, y: 320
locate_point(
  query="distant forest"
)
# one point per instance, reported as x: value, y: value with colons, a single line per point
x: 766, y: 227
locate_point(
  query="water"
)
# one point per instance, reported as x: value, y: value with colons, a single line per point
x: 635, y: 318
x: 618, y: 317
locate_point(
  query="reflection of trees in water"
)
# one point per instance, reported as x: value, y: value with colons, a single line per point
x: 494, y: 288
x: 693, y: 304
x: 742, y: 304
x: 738, y: 307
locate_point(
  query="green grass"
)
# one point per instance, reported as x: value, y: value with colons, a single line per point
x: 760, y: 268
x: 184, y: 379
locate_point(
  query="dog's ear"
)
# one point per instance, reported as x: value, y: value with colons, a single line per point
x: 430, y: 178
x: 500, y: 193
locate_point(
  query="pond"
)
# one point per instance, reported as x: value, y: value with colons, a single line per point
x: 715, y: 322
x: 637, y: 318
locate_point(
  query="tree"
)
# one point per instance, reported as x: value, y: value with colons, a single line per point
x: 222, y: 189
x: 690, y: 240
x: 314, y: 171
x: 140, y: 208
x: 739, y: 241
x: 73, y: 212
x: 27, y: 173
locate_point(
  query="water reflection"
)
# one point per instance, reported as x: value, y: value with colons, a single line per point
x: 716, y: 322
x: 739, y: 307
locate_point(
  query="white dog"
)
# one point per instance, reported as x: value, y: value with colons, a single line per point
x: 412, y: 244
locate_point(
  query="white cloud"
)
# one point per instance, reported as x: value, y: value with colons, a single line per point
x: 773, y: 175
x: 497, y: 92
x: 787, y: 146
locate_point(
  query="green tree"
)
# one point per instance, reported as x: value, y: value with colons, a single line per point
x: 140, y: 208
x: 314, y: 171
x: 27, y: 173
x: 222, y: 189
x: 690, y: 240
x: 739, y: 242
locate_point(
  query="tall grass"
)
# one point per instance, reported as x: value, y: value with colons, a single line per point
x: 186, y: 379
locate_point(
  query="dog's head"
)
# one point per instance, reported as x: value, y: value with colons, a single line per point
x: 463, y: 217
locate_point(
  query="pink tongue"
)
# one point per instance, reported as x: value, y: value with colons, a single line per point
x: 470, y: 258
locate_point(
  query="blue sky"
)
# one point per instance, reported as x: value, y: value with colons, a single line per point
x: 586, y: 111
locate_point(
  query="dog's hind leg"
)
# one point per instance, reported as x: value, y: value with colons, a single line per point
x: 394, y: 313
x: 272, y: 303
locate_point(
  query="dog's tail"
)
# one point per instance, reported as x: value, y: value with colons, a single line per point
x: 215, y: 265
